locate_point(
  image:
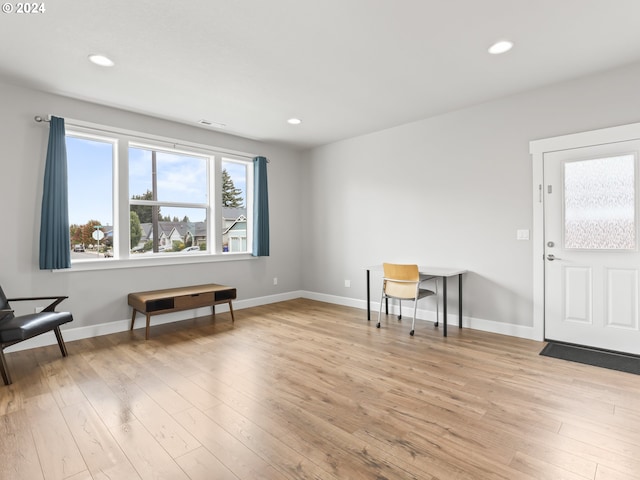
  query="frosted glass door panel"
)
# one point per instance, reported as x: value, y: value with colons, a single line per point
x: 599, y: 203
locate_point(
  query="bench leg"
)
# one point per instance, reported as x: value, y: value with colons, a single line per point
x: 213, y: 310
x: 133, y: 318
x: 231, y: 310
x: 5, y: 370
x: 146, y: 333
x: 63, y: 347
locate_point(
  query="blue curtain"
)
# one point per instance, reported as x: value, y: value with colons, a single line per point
x: 260, y: 208
x: 55, y: 245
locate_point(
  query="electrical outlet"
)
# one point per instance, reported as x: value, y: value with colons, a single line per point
x: 275, y: 280
x: 347, y: 283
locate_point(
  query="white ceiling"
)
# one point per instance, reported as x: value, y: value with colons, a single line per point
x: 345, y: 67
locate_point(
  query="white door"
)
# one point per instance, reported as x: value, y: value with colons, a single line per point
x: 592, y: 284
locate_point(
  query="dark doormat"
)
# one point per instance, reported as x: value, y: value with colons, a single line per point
x: 590, y: 356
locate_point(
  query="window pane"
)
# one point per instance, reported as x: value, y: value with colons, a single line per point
x: 178, y: 230
x: 234, y: 208
x: 179, y: 178
x: 90, y: 180
x: 599, y: 197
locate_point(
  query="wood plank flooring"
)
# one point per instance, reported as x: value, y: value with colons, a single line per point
x: 307, y: 390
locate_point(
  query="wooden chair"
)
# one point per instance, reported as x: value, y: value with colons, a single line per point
x: 17, y: 329
x: 402, y: 282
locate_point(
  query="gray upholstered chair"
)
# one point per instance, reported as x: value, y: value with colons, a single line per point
x: 17, y: 329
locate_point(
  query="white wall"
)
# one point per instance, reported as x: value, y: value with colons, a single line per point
x: 450, y: 191
x: 97, y: 297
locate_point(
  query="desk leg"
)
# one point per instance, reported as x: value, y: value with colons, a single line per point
x: 437, y: 303
x: 368, y: 296
x: 444, y: 307
x: 460, y: 300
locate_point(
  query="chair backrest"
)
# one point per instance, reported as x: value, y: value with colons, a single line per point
x: 400, y: 281
x: 4, y: 305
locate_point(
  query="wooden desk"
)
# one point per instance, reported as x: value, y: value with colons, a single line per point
x: 442, y: 272
x: 156, y: 302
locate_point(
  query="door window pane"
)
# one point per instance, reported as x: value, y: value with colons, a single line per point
x: 599, y: 203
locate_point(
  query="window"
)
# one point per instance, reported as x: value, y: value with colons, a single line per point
x: 168, y: 201
x: 173, y: 202
x: 234, y: 206
x: 90, y: 180
x: 599, y: 203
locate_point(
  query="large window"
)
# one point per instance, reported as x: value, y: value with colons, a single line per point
x: 170, y: 202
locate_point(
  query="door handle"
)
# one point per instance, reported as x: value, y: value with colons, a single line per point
x: 551, y: 257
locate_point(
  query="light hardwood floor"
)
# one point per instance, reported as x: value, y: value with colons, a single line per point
x: 307, y: 390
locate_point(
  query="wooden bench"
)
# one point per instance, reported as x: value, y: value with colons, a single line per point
x: 156, y: 302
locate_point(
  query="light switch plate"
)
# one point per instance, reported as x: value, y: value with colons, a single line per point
x: 522, y: 234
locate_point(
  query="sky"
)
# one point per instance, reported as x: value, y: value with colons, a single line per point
x: 180, y: 178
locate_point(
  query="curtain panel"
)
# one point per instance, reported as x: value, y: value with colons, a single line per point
x: 260, y: 208
x: 55, y: 244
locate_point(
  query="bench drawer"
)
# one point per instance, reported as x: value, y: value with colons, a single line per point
x: 196, y: 300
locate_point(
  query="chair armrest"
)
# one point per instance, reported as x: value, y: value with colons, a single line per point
x: 4, y: 312
x: 49, y: 308
x: 426, y: 278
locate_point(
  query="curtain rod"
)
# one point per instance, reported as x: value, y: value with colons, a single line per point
x: 40, y: 119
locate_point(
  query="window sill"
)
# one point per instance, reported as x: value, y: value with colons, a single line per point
x: 113, y: 264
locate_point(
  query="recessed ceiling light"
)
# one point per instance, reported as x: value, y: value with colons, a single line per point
x: 500, y: 47
x: 294, y: 121
x: 101, y: 60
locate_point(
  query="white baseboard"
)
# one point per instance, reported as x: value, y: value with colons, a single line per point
x: 430, y: 316
x: 90, y: 331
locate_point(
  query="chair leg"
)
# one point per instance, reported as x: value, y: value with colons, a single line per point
x: 382, y: 297
x: 413, y: 322
x: 3, y: 367
x: 400, y: 307
x: 63, y: 347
